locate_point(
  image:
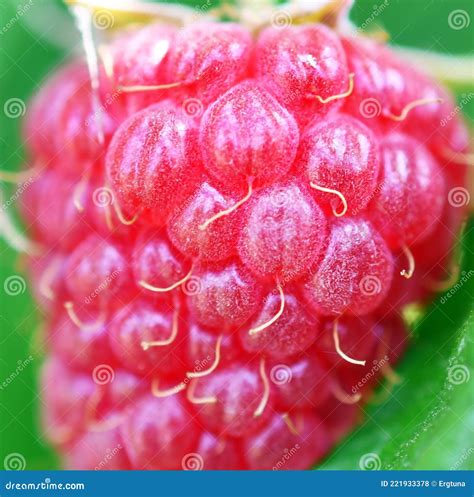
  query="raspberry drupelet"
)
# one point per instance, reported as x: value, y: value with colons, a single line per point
x: 234, y: 271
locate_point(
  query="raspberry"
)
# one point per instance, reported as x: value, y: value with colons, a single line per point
x: 82, y: 348
x: 152, y: 160
x: 303, y: 443
x: 226, y: 297
x: 62, y: 127
x: 303, y: 66
x: 293, y: 332
x: 161, y: 441
x: 308, y: 384
x: 410, y: 200
x: 222, y: 241
x: 234, y: 400
x: 156, y: 263
x: 218, y: 240
x: 139, y: 57
x: 356, y: 256
x: 208, y: 59
x: 283, y: 233
x: 147, y: 339
x: 248, y: 137
x: 340, y: 154
x: 94, y: 264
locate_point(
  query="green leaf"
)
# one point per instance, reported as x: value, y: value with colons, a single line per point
x: 428, y: 422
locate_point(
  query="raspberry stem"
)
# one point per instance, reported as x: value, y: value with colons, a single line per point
x: 335, y: 192
x: 260, y: 328
x: 69, y: 306
x: 335, y: 336
x: 228, y: 211
x: 416, y: 103
x: 266, y: 390
x: 213, y: 366
x: 411, y: 263
x: 155, y: 390
x: 157, y: 289
x: 346, y: 94
x: 289, y: 422
x: 137, y: 88
x: 343, y: 396
x: 196, y: 400
x: 162, y: 343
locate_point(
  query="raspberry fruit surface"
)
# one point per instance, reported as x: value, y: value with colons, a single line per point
x: 229, y: 241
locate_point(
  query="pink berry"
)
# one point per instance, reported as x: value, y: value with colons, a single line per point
x: 138, y: 57
x: 156, y: 262
x: 299, y: 64
x: 83, y: 348
x: 283, y: 234
x: 356, y: 339
x: 301, y: 382
x: 153, y: 162
x: 191, y: 236
x: 217, y: 235
x: 159, y: 441
x: 97, y: 273
x: 278, y: 447
x: 98, y: 450
x: 224, y: 297
x: 67, y: 395
x: 293, y: 332
x: 206, y: 347
x: 216, y: 453
x: 410, y: 200
x: 248, y: 137
x: 64, y: 127
x: 355, y: 273
x: 55, y: 220
x: 147, y: 339
x: 232, y: 400
x: 339, y: 418
x: 208, y: 59
x: 340, y: 153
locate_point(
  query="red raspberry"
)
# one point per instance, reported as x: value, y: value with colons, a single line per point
x: 223, y: 241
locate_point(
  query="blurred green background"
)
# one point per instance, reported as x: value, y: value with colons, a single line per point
x: 429, y: 421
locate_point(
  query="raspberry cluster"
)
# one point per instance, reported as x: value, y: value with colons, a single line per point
x: 229, y: 227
